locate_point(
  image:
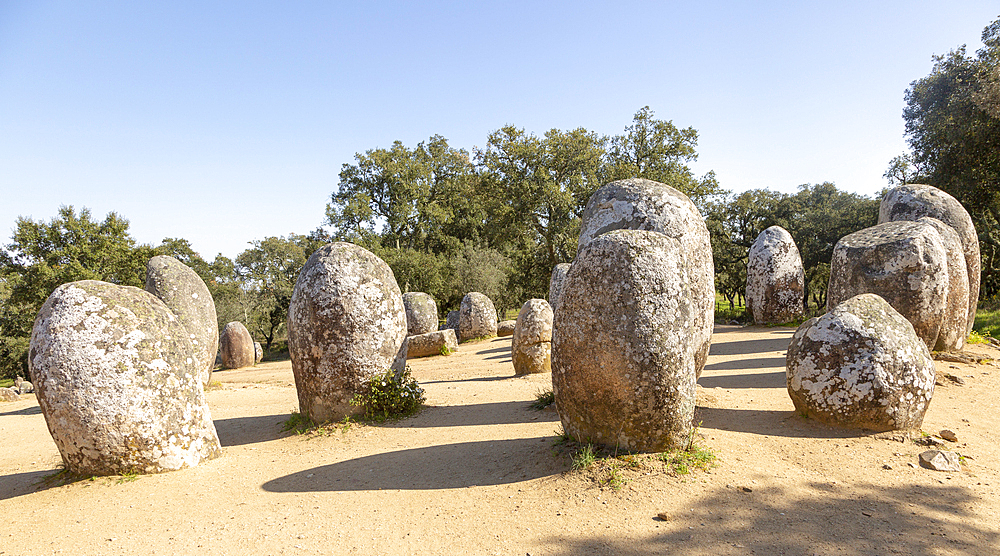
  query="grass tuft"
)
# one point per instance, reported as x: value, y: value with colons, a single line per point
x: 543, y: 400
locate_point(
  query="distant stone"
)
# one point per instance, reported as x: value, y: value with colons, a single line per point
x: 939, y: 460
x: 477, y: 317
x: 506, y: 328
x: 903, y: 262
x: 775, y: 278
x: 346, y: 324
x: 181, y: 289
x: 421, y: 313
x: 914, y: 201
x: 236, y: 346
x: 451, y: 321
x: 117, y: 382
x: 555, y: 283
x: 431, y: 343
x: 641, y: 204
x: 623, y: 359
x: 954, y: 321
x: 531, y: 347
x: 860, y: 366
x: 8, y: 395
x: 22, y: 386
x: 258, y: 353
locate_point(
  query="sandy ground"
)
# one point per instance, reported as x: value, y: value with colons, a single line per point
x: 478, y: 472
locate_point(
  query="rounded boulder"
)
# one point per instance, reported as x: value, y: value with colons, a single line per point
x: 346, y: 324
x: 861, y: 365
x: 954, y: 322
x: 185, y: 293
x: 623, y: 359
x: 236, y: 346
x: 914, y: 201
x: 531, y: 346
x: 641, y: 204
x: 904, y: 262
x: 421, y: 313
x: 776, y: 280
x: 117, y: 382
x: 477, y: 317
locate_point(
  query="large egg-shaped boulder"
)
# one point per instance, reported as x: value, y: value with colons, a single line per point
x: 117, y: 382
x: 181, y: 289
x: 861, y: 365
x: 421, y: 313
x: 531, y: 346
x: 954, y: 322
x: 904, y: 262
x: 641, y: 204
x: 477, y: 317
x: 236, y: 346
x: 914, y: 201
x: 776, y: 280
x: 623, y: 356
x: 555, y: 283
x: 346, y: 324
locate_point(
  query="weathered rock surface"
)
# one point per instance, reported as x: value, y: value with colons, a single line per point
x: 431, y: 343
x: 506, y: 328
x: 641, y: 204
x: 23, y: 386
x: 346, y: 324
x: 117, y: 382
x: 860, y: 365
x: 181, y: 289
x: 954, y: 321
x: 904, y: 262
x: 451, y: 321
x: 421, y: 313
x: 623, y: 359
x: 914, y: 201
x: 555, y: 283
x: 258, y: 353
x: 531, y: 347
x: 940, y: 460
x: 236, y: 346
x: 477, y: 317
x: 8, y: 395
x: 775, y: 278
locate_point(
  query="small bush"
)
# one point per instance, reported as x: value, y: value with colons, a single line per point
x: 543, y: 400
x: 386, y: 397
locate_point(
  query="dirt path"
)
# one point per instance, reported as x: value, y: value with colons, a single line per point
x: 478, y: 473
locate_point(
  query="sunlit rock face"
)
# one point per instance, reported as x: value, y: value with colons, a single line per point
x: 236, y: 346
x: 775, y: 278
x: 421, y: 313
x: 531, y: 346
x: 477, y: 317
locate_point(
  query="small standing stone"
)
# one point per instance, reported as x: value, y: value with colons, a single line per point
x: 506, y: 328
x: 451, y: 321
x: 258, y: 353
x: 531, y: 348
x: 421, y: 313
x: 236, y: 346
x: 477, y: 317
x: 775, y: 278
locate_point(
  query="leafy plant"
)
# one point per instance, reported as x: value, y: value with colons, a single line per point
x: 445, y: 350
x: 388, y: 396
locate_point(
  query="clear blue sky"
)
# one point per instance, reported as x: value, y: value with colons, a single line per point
x: 227, y: 122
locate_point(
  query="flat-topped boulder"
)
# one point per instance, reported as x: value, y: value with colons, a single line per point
x: 860, y: 365
x: 531, y: 347
x: 346, y: 324
x: 117, y: 382
x: 236, y: 346
x: 477, y: 317
x: 641, y: 204
x: 623, y: 355
x: 185, y: 293
x: 421, y: 313
x: 775, y: 278
x: 438, y: 342
x: 915, y: 201
x: 904, y: 262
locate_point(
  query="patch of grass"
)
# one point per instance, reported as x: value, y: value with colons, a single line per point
x: 126, y: 477
x: 543, y: 400
x: 390, y: 397
x: 976, y: 338
x: 6, y: 382
x: 988, y: 319
x: 300, y: 424
x: 584, y: 457
x: 445, y: 350
x: 683, y: 462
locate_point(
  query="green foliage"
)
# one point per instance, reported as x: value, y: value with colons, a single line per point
x: 683, y: 462
x: 584, y: 457
x: 300, y: 424
x: 988, y: 319
x: 388, y: 396
x: 543, y: 400
x: 445, y: 350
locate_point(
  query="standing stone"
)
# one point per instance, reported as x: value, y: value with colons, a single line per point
x: 181, y: 289
x: 117, y: 382
x: 531, y: 347
x: 913, y: 201
x: 623, y: 359
x: 8, y: 395
x: 776, y: 280
x: 555, y: 283
x: 431, y: 343
x: 346, y: 324
x: 421, y: 313
x: 236, y: 346
x: 861, y: 365
x: 506, y: 328
x: 258, y: 353
x: 954, y: 323
x: 641, y: 204
x: 477, y: 317
x: 904, y: 262
x: 451, y: 321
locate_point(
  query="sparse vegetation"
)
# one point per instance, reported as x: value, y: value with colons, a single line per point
x: 300, y: 424
x: 445, y: 350
x: 543, y: 400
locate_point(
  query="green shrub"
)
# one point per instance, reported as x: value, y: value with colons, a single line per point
x: 387, y: 396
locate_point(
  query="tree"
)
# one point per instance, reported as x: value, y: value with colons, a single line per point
x: 43, y: 256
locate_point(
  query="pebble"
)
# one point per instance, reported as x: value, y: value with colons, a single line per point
x: 948, y: 435
x: 938, y: 460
